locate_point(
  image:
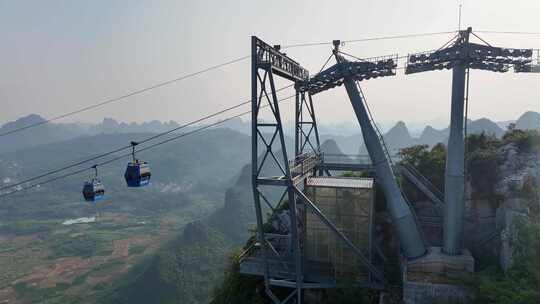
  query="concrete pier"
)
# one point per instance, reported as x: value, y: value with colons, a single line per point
x: 438, y: 278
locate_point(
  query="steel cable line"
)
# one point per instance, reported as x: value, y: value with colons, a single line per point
x: 129, y: 154
x: 211, y: 115
x: 369, y: 39
x: 115, y: 158
x: 182, y: 126
x: 161, y: 84
x: 129, y: 146
x: 406, y: 56
x: 164, y: 84
x: 125, y: 96
x: 481, y: 39
x: 326, y: 62
x: 398, y: 37
x: 63, y: 168
x: 509, y: 33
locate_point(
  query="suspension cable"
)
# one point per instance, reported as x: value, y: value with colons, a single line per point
x: 130, y: 153
x: 352, y: 56
x: 129, y: 146
x: 509, y: 32
x: 183, y: 77
x: 367, y: 39
x: 481, y: 39
x: 125, y: 96
x: 326, y: 62
x: 108, y: 101
x: 398, y: 37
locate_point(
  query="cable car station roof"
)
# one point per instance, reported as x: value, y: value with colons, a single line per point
x: 340, y: 182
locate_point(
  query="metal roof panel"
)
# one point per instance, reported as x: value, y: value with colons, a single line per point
x: 340, y: 182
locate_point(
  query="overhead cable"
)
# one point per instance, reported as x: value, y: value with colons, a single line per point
x: 20, y: 188
x: 123, y: 97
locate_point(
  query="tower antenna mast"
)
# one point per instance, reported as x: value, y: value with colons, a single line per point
x: 459, y: 17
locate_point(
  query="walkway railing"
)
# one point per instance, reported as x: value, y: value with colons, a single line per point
x: 303, y: 164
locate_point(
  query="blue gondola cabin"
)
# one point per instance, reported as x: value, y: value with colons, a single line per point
x: 93, y: 190
x: 137, y: 174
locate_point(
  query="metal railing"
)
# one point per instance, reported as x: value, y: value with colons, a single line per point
x: 389, y: 159
x: 346, y: 158
x: 303, y: 164
x: 377, y: 130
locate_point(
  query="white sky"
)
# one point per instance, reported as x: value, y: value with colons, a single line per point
x: 58, y: 56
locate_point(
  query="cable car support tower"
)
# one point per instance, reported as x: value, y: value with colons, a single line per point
x: 267, y: 62
x: 289, y: 269
x: 461, y: 55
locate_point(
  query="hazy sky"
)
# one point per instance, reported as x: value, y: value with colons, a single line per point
x: 57, y: 56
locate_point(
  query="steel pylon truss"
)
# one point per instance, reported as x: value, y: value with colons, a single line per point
x: 281, y: 252
x: 267, y: 61
x: 280, y: 249
x: 363, y: 69
x: 461, y: 55
x: 474, y: 56
x: 306, y: 132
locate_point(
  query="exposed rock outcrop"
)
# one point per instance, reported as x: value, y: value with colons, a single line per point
x: 519, y: 191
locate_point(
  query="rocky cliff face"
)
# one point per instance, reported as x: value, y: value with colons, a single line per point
x: 519, y: 189
x: 237, y: 214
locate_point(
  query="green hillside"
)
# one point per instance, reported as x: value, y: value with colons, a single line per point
x: 42, y: 258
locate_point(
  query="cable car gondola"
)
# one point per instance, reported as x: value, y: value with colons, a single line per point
x: 137, y: 172
x: 93, y: 190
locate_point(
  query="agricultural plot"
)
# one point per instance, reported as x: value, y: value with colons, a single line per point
x: 53, y: 263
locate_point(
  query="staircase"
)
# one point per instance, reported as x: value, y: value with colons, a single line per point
x: 374, y: 124
x: 431, y: 222
x: 388, y: 157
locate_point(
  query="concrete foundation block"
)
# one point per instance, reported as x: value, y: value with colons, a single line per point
x: 438, y: 278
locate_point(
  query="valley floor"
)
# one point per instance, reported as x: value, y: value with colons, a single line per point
x: 65, y: 262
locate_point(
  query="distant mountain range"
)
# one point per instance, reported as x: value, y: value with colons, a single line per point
x: 56, y: 132
x: 398, y: 136
x: 529, y: 120
x: 196, y: 171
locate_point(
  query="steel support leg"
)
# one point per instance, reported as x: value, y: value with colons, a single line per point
x: 402, y: 217
x: 254, y: 157
x: 292, y: 201
x: 454, y: 183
